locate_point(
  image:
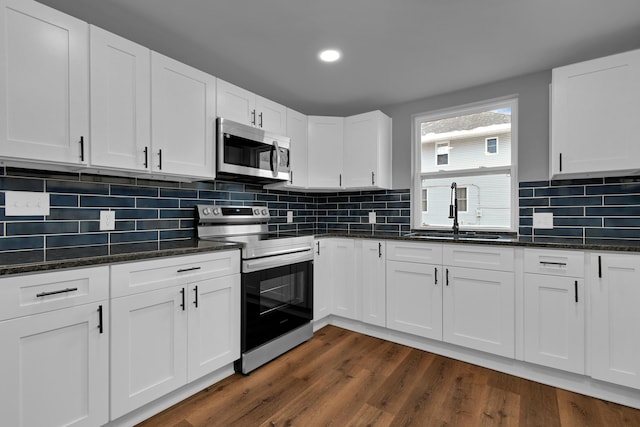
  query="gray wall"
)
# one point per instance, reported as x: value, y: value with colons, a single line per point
x: 533, y: 123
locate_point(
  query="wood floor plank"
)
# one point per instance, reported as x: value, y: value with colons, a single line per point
x: 342, y: 378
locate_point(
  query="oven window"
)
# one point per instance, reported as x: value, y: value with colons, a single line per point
x: 279, y: 292
x: 245, y: 152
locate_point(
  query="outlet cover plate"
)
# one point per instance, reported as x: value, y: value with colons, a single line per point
x: 372, y: 217
x: 107, y: 220
x: 26, y: 203
x: 543, y: 220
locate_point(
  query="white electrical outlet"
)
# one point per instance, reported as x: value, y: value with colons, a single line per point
x: 543, y: 220
x: 289, y: 216
x: 26, y: 203
x: 372, y: 217
x: 107, y: 220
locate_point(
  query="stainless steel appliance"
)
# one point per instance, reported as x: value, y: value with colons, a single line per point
x: 251, y: 154
x: 277, y: 281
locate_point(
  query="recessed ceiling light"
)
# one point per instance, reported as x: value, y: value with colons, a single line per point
x: 329, y: 55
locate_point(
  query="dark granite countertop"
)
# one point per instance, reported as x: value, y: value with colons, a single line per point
x: 176, y: 248
x: 503, y: 240
x: 191, y: 246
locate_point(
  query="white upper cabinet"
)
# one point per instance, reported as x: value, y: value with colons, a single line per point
x: 44, y: 94
x: 240, y: 105
x: 325, y: 151
x: 183, y: 113
x: 351, y: 152
x: 367, y: 150
x: 120, y: 102
x: 595, y: 106
x: 297, y: 124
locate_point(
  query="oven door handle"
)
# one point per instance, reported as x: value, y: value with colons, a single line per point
x: 286, y: 251
x: 258, y: 264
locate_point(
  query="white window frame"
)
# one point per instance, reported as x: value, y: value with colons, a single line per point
x: 435, y: 157
x: 417, y: 176
x: 486, y: 145
x: 424, y: 207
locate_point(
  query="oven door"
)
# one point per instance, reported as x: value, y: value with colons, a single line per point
x: 275, y: 301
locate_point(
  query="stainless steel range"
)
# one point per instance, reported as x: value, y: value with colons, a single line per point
x: 277, y: 280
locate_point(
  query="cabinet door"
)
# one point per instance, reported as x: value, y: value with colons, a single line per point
x: 373, y: 292
x: 214, y: 324
x: 297, y: 124
x: 235, y: 103
x: 615, y: 342
x: 55, y: 368
x: 343, y: 278
x: 183, y: 114
x: 325, y: 151
x: 120, y: 102
x: 148, y: 347
x: 554, y: 321
x: 44, y: 89
x: 322, y: 282
x: 414, y: 298
x: 271, y: 116
x: 367, y: 150
x: 594, y: 106
x: 479, y: 309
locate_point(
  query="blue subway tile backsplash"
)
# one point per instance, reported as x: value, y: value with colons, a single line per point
x: 589, y: 210
x: 151, y: 214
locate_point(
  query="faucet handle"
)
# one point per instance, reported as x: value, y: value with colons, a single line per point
x: 452, y: 212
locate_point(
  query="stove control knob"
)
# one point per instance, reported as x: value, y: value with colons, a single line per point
x: 256, y: 211
x: 206, y: 211
x: 265, y: 212
x: 216, y: 211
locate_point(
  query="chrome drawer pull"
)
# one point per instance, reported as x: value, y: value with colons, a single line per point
x: 61, y: 291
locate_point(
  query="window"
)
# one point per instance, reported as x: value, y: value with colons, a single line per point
x: 462, y: 199
x: 424, y: 200
x: 442, y: 153
x: 491, y: 146
x: 485, y: 174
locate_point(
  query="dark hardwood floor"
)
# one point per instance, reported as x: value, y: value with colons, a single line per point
x: 342, y: 378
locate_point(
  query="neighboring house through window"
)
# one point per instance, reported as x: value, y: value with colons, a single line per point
x: 491, y: 146
x: 483, y: 138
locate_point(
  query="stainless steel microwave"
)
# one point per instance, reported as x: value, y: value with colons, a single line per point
x: 250, y: 154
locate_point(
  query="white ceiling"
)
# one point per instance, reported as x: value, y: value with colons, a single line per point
x: 394, y: 50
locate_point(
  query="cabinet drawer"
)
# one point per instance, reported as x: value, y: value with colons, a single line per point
x: 142, y: 276
x: 476, y: 256
x: 427, y: 253
x: 552, y: 262
x: 40, y: 292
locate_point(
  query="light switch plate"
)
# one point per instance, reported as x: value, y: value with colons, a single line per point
x: 26, y: 203
x: 289, y: 216
x: 543, y: 220
x: 107, y: 220
x: 372, y: 217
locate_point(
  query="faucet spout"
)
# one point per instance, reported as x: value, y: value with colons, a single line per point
x: 453, y: 208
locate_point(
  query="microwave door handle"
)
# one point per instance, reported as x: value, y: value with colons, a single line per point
x: 274, y: 166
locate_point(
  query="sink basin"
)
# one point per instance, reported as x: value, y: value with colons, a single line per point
x: 444, y: 235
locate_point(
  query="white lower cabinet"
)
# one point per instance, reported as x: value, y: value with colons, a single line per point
x: 554, y: 309
x: 479, y: 309
x: 345, y: 291
x: 322, y: 279
x: 414, y: 298
x: 54, y: 362
x: 615, y: 341
x: 414, y: 288
x: 167, y: 337
x: 372, y: 279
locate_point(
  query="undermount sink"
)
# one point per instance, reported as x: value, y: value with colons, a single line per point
x: 444, y: 235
